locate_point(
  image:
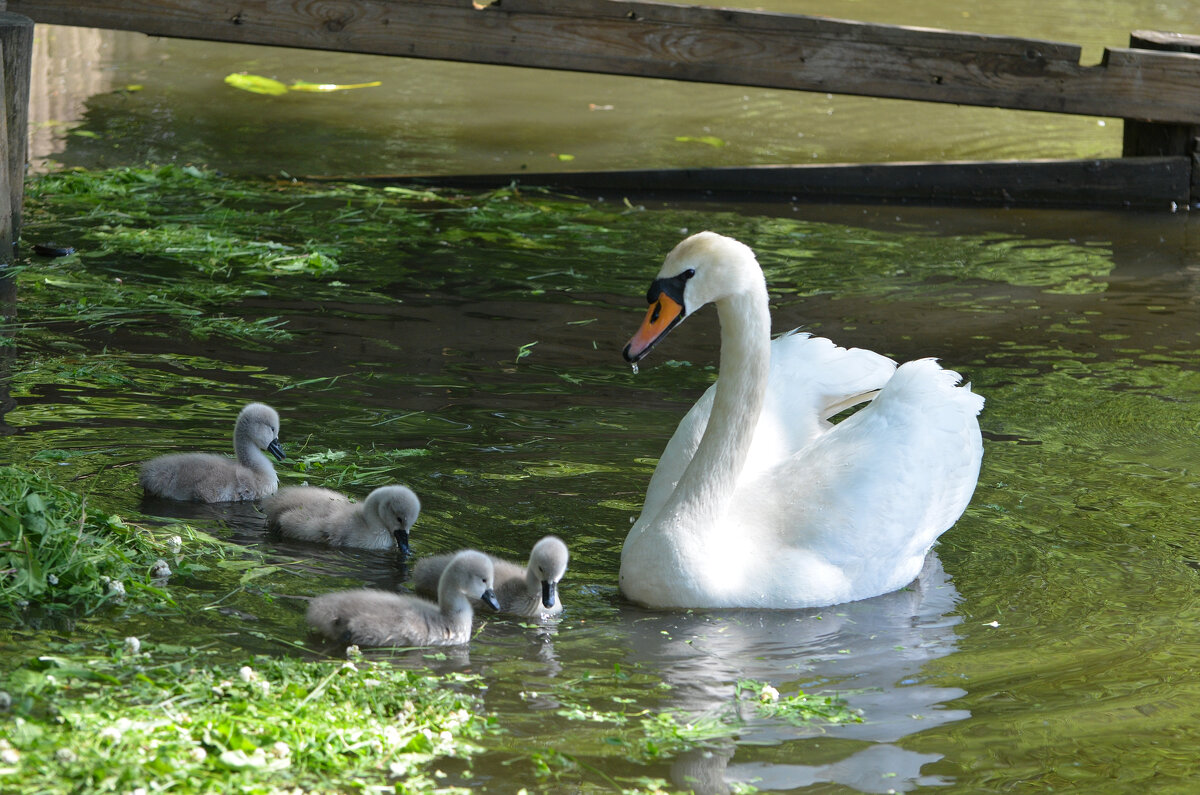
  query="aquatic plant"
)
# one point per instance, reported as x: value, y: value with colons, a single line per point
x: 56, y: 555
x: 128, y: 717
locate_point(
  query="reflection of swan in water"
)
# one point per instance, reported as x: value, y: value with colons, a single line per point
x: 874, y: 650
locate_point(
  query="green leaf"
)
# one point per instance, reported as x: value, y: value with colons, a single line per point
x: 709, y: 140
x: 256, y: 84
x: 320, y: 88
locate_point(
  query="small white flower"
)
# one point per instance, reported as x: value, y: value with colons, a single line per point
x: 52, y: 579
x: 116, y: 588
x: 110, y: 733
x: 768, y: 693
x: 132, y: 645
x: 160, y: 570
x: 247, y: 674
x: 174, y: 545
x: 349, y: 666
x: 446, y: 736
x: 197, y: 754
x: 140, y: 791
x: 281, y: 750
x: 10, y: 756
x: 353, y: 652
x: 65, y: 756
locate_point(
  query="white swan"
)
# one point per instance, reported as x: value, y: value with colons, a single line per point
x: 324, y: 516
x: 205, y: 477
x: 524, y: 590
x: 757, y: 500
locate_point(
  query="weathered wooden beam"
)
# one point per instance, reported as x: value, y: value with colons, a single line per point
x: 703, y: 44
x: 1144, y: 183
x: 1143, y: 138
x: 16, y: 62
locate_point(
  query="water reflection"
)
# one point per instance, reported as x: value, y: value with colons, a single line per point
x: 873, y: 651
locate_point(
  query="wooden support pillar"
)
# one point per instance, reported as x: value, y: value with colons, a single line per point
x: 1150, y: 139
x: 16, y: 41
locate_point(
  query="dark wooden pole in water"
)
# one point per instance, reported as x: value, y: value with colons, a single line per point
x: 16, y: 39
x: 1143, y: 138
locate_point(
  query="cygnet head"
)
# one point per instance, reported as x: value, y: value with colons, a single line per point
x: 259, y: 423
x: 398, y: 508
x: 703, y: 269
x: 471, y: 574
x: 548, y: 561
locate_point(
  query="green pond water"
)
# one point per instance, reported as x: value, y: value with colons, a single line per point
x: 469, y: 346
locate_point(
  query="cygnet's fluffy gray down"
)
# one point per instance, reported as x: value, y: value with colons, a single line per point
x: 204, y: 477
x: 308, y: 513
x: 524, y: 590
x: 369, y: 617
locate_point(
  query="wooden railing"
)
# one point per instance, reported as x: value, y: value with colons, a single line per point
x: 1154, y: 84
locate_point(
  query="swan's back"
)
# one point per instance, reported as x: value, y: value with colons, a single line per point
x: 868, y: 498
x: 810, y: 380
x: 368, y: 617
x: 303, y: 512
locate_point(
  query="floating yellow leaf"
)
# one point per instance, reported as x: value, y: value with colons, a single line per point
x: 300, y: 85
x: 256, y: 84
x: 711, y: 140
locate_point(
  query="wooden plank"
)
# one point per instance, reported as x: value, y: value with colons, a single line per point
x: 701, y: 44
x: 16, y: 39
x: 1144, y: 183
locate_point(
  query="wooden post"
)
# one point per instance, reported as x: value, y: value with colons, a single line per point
x: 16, y: 40
x: 1150, y: 139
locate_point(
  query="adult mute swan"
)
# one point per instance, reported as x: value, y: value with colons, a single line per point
x: 759, y: 501
x: 205, y: 477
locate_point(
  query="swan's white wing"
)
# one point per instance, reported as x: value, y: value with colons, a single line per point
x: 870, y: 496
x: 810, y: 378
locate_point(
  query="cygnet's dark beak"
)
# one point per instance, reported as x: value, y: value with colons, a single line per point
x: 401, y: 536
x: 488, y: 597
x: 549, y: 593
x: 276, y: 449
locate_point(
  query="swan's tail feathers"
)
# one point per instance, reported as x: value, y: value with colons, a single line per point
x: 926, y: 383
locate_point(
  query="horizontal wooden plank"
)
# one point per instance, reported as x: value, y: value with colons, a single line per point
x: 676, y: 42
x: 1142, y: 182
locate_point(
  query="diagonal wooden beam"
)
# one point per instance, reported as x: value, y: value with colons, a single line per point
x: 702, y: 44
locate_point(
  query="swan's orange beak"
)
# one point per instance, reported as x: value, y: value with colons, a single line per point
x: 661, y: 317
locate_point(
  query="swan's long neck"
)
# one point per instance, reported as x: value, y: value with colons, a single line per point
x: 248, y: 454
x: 709, y: 481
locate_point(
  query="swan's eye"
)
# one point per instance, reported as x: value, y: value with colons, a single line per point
x: 687, y: 274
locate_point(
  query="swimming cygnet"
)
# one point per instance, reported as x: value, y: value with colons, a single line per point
x: 368, y: 617
x: 204, y: 477
x: 308, y: 513
x: 526, y: 591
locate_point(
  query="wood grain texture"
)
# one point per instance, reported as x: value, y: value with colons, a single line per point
x: 1144, y: 183
x: 685, y: 43
x: 16, y: 40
